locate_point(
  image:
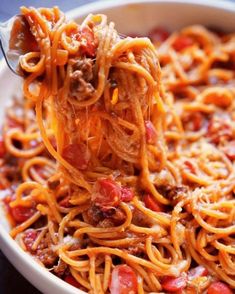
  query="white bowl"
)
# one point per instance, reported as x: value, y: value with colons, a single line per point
x: 129, y: 16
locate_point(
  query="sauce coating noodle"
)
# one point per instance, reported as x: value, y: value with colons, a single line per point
x: 125, y: 178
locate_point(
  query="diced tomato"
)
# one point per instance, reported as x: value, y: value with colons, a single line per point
x: 77, y: 155
x: 2, y: 148
x: 199, y: 271
x: 182, y: 42
x: 29, y: 238
x: 106, y: 194
x: 65, y: 202
x: 158, y: 35
x: 151, y: 133
x: 151, y: 203
x: 229, y: 150
x: 71, y: 280
x: 20, y: 213
x: 219, y: 288
x: 219, y: 129
x: 190, y: 166
x: 123, y: 280
x: 171, y: 284
x: 127, y: 194
x: 88, y: 42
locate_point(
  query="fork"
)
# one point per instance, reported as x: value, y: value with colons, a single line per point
x: 12, y: 35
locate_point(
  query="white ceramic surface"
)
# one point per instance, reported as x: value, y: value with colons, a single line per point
x: 129, y: 16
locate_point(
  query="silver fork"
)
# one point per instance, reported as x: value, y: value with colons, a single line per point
x: 11, y: 37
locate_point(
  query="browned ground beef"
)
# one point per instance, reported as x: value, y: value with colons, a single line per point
x: 81, y: 78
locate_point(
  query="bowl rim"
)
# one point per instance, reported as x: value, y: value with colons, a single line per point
x: 94, y: 6
x: 11, y: 249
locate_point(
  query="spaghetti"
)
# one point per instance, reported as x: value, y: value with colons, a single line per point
x: 125, y: 171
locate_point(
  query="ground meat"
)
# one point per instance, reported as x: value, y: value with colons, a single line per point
x: 136, y: 251
x: 117, y: 216
x: 94, y: 215
x: 77, y: 245
x: 53, y: 184
x: 80, y: 80
x: 60, y: 268
x: 111, y: 217
x: 47, y: 257
x: 29, y: 238
x: 172, y: 192
x: 40, y: 223
x: 10, y: 160
x: 106, y: 223
x: 140, y: 219
x: 43, y: 252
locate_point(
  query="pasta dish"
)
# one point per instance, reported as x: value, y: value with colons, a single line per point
x: 117, y: 167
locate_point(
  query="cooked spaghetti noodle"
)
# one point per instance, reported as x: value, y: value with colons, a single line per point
x: 125, y: 172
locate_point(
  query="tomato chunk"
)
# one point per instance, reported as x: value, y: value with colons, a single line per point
x: 199, y: 271
x: 123, y: 280
x: 127, y: 194
x: 72, y: 281
x: 229, y: 150
x: 88, y: 42
x: 151, y: 133
x: 20, y: 213
x: 182, y: 42
x: 106, y: 194
x: 2, y: 148
x: 151, y: 203
x: 171, y: 284
x: 158, y: 35
x: 29, y: 238
x: 219, y: 288
x: 78, y: 155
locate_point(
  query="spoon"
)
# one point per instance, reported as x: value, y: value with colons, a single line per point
x: 15, y: 40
